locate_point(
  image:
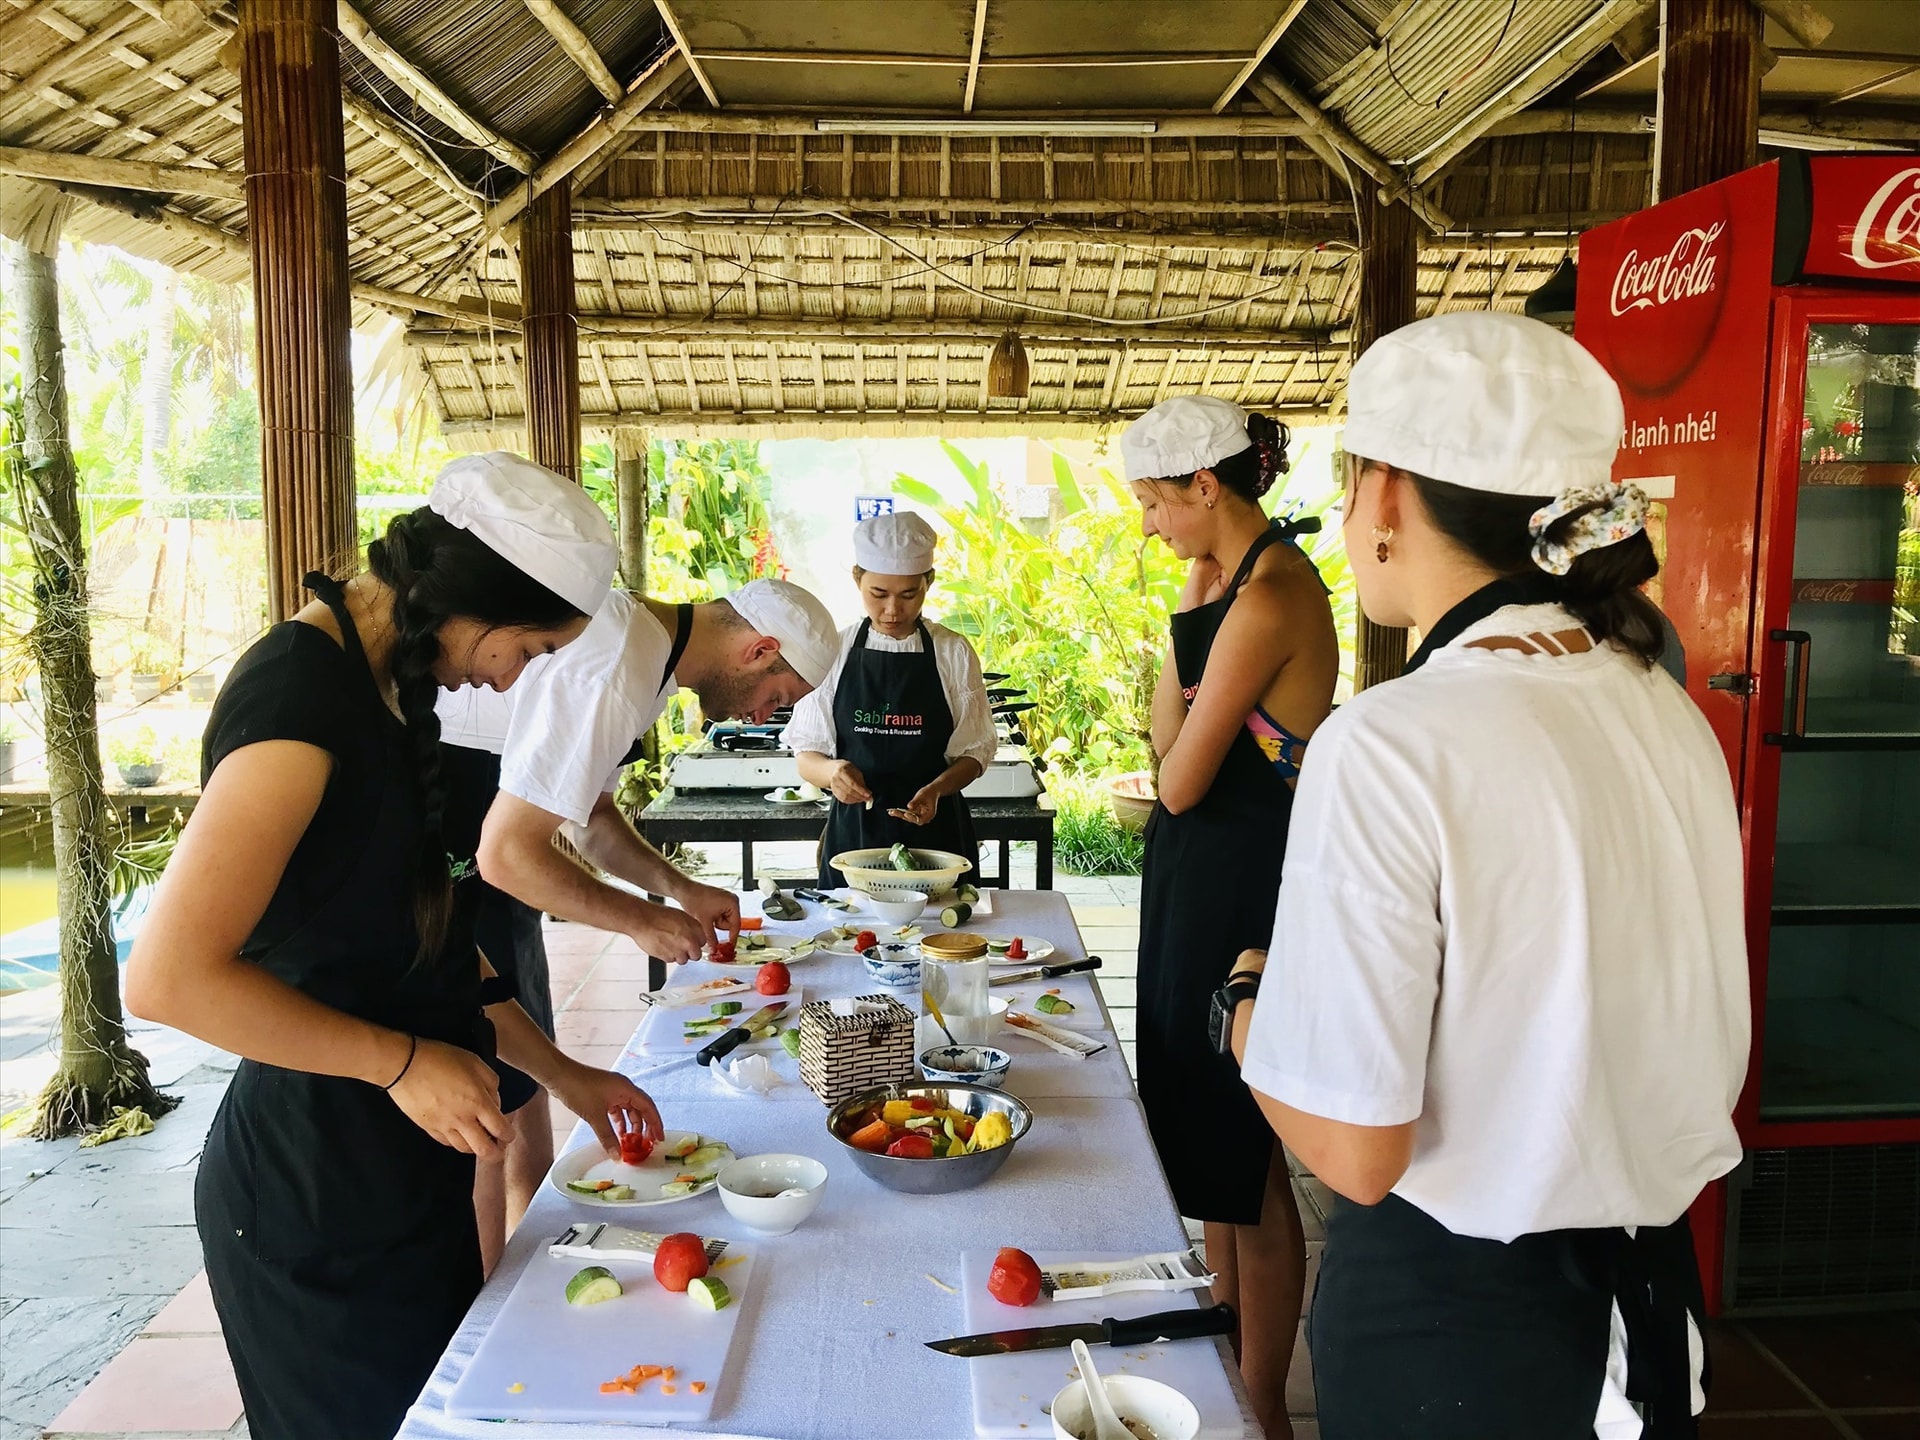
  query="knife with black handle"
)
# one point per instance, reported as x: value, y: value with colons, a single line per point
x: 1141, y: 1330
x: 1049, y: 972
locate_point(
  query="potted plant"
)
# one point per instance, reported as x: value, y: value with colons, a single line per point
x: 138, y: 757
x: 152, y: 673
x: 1131, y: 797
x: 202, y: 686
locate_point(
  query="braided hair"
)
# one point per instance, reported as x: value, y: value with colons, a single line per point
x: 439, y: 572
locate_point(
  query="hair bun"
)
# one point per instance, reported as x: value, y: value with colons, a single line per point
x: 1269, y: 439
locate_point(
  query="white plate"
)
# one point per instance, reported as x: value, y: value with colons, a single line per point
x: 1037, y: 953
x: 590, y: 1162
x: 786, y: 955
x: 831, y: 944
x: 778, y: 799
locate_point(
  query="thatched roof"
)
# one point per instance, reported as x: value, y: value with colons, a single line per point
x: 823, y: 213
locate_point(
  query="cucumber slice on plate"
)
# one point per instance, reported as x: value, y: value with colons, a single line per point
x: 680, y: 1149
x: 592, y: 1286
x: 709, y: 1292
x: 678, y: 1187
x: 705, y: 1156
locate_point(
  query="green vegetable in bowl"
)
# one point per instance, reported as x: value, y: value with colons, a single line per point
x: 901, y: 858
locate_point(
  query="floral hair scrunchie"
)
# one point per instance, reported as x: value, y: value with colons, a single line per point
x: 1622, y: 514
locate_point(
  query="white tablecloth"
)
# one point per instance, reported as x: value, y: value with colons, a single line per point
x: 830, y: 1345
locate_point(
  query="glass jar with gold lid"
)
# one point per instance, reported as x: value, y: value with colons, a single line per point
x: 953, y: 985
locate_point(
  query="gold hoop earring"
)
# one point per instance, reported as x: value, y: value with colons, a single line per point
x: 1381, y: 535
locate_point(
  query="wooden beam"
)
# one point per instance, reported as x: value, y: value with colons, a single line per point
x: 375, y: 122
x: 1805, y: 23
x: 892, y: 422
x: 572, y: 39
x: 1289, y: 12
x: 23, y: 91
x: 973, y: 58
x: 1126, y: 61
x: 696, y: 328
x: 421, y: 86
x: 666, y: 207
x: 121, y: 174
x: 686, y: 50
x: 807, y: 123
x: 1597, y: 30
x: 1891, y: 77
x: 1709, y: 94
x: 603, y: 131
x: 1276, y: 91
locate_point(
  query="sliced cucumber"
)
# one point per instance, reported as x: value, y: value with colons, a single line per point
x: 618, y: 1192
x: 593, y: 1285
x: 680, y: 1149
x: 954, y: 916
x: 766, y: 1032
x: 709, y: 1292
x: 586, y: 1187
x: 704, y: 1156
x: 790, y: 1042
x: 1053, y: 1005
x: 901, y: 858
x: 726, y: 1007
x: 678, y: 1187
x: 967, y: 894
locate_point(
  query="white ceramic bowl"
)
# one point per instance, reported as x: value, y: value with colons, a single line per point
x: 894, y: 965
x: 966, y: 1065
x: 899, y: 907
x: 752, y: 1188
x: 1161, y: 1408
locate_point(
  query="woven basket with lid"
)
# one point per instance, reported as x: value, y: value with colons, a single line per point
x: 841, y: 1055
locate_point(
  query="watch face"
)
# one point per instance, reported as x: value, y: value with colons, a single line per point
x: 1219, y: 1025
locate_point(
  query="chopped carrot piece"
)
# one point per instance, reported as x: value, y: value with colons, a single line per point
x: 699, y: 1387
x: 612, y: 1387
x: 750, y: 922
x: 669, y: 1373
x: 669, y: 1390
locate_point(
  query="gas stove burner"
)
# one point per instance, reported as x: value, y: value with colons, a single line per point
x: 738, y: 740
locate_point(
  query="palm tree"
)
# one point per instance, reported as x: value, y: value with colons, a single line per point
x: 99, y: 1072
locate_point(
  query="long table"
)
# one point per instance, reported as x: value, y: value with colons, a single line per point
x: 830, y: 1346
x: 743, y: 817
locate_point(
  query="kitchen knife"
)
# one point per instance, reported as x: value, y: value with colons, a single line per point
x: 1142, y: 1330
x: 739, y: 1035
x: 1048, y: 972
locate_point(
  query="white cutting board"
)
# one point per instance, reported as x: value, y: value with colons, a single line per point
x: 663, y: 1031
x: 1011, y: 1393
x: 561, y: 1353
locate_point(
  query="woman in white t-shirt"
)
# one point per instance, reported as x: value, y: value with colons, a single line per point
x: 1505, y: 1012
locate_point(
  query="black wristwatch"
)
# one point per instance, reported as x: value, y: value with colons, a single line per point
x: 1241, y: 986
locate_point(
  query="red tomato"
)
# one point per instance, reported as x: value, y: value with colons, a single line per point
x: 924, y: 1104
x: 635, y: 1147
x: 1017, y: 949
x: 679, y: 1259
x: 774, y: 979
x: 911, y: 1147
x: 865, y: 940
x: 1015, y: 1278
x: 724, y: 951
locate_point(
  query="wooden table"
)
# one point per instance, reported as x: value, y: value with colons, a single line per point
x: 744, y: 817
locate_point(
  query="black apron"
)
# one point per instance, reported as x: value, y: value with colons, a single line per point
x: 1207, y: 891
x: 339, y: 1237
x: 1421, y: 1334
x: 891, y: 721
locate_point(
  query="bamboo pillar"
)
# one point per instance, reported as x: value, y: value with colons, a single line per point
x: 1389, y: 280
x: 630, y: 481
x: 1707, y: 124
x: 551, y: 331
x: 297, y: 233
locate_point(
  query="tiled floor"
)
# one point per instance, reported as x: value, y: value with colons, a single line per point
x: 1804, y: 1379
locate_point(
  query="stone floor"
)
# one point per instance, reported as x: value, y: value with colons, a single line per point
x: 106, y: 1327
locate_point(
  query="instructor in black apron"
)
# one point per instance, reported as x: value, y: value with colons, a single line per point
x: 902, y: 724
x: 311, y: 922
x: 1505, y: 1013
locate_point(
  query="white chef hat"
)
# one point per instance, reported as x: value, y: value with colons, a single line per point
x: 538, y: 521
x: 1182, y: 435
x: 791, y: 615
x: 897, y: 544
x: 1488, y: 401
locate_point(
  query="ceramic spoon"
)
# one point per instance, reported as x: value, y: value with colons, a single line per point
x: 1106, y: 1424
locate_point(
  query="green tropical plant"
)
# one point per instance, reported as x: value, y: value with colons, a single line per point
x: 1087, y: 840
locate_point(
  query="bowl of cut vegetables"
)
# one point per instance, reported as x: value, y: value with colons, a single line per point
x: 929, y: 1139
x: 897, y: 872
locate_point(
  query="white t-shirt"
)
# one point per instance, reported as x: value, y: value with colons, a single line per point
x: 1512, y: 913
x: 974, y: 736
x: 569, y: 720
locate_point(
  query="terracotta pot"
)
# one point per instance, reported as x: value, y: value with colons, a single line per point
x: 1130, y: 797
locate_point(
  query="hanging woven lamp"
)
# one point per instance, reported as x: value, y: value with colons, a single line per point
x: 1007, y: 369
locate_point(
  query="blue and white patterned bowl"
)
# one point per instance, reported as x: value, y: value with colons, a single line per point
x: 966, y: 1065
x: 895, y: 965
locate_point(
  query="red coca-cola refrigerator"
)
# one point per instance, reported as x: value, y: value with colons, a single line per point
x: 1765, y: 332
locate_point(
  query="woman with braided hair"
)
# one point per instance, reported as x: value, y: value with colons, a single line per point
x: 311, y: 922
x: 1248, y: 675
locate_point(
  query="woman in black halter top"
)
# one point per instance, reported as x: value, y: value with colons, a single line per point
x: 1248, y: 675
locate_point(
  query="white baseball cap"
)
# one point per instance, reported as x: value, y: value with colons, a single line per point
x: 538, y: 521
x: 897, y: 544
x: 1488, y: 401
x: 1182, y: 435
x: 796, y: 619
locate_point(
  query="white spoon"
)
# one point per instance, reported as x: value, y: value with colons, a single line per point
x: 1106, y: 1424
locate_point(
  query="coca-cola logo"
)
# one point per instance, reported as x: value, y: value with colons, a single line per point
x: 1689, y: 268
x: 1888, y: 230
x: 1669, y: 288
